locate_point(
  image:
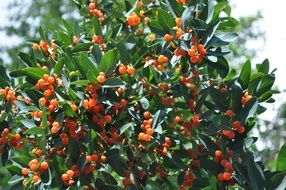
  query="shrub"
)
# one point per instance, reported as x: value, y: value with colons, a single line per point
x: 138, y: 95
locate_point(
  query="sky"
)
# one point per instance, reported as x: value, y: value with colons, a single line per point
x: 273, y: 24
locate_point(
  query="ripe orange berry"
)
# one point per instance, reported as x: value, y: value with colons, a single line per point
x: 51, y: 80
x: 33, y: 167
x: 65, y: 177
x: 70, y: 173
x: 218, y: 154
x: 107, y: 118
x: 140, y: 4
x: 101, y: 79
x: 56, y: 124
x: 88, y: 158
x: 141, y: 136
x: 36, y: 179
x: 122, y: 70
x: 44, y: 165
x: 229, y: 113
x: 168, y: 37
x: 133, y: 19
x: 103, y: 159
x: 17, y: 136
x: 146, y: 115
x: 220, y: 177
x: 47, y: 93
x: 178, y: 21
x: 94, y: 157
x: 191, y: 52
x: 74, y: 107
x: 54, y: 130
x: 42, y: 101
x: 25, y: 171
x: 123, y: 102
x: 130, y: 70
x: 226, y: 176
x: 149, y: 131
x: 92, y: 6
x: 54, y: 102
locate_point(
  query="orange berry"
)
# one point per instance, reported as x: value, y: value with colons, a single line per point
x: 141, y: 136
x: 218, y: 154
x: 17, y: 136
x: 74, y: 107
x: 88, y: 159
x: 54, y: 102
x: 149, y: 131
x: 42, y: 101
x: 140, y: 4
x: 168, y: 37
x: 47, y: 93
x: 101, y: 79
x: 70, y: 173
x: 25, y: 171
x: 122, y: 70
x: 94, y: 157
x: 130, y: 70
x: 226, y: 176
x: 220, y: 177
x: 33, y: 167
x: 146, y: 115
x: 65, y: 177
x: 44, y: 165
x: 92, y: 6
x: 107, y: 118
x: 229, y: 113
x: 56, y: 124
x: 178, y: 21
x: 191, y: 52
x: 36, y: 179
x: 123, y: 102
x: 51, y: 80
x: 103, y: 159
x: 54, y: 130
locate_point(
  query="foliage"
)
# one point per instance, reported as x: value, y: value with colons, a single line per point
x: 140, y: 98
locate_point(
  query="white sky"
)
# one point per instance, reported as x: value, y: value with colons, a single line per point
x: 274, y: 24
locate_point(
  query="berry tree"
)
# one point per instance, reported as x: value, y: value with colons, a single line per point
x: 138, y: 95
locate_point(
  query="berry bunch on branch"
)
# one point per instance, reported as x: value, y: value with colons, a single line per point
x: 137, y: 96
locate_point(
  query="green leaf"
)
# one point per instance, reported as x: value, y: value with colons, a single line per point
x: 96, y: 26
x: 263, y: 67
x: 81, y: 82
x: 198, y: 24
x: 58, y: 66
x: 156, y: 28
x: 42, y: 34
x: 281, y: 160
x: 245, y: 74
x: 166, y: 20
x: 216, y: 97
x: 31, y: 72
x: 86, y: 67
x: 35, y: 131
x: 236, y: 94
x: 208, y: 143
x: 96, y: 53
x: 124, y: 53
x: 186, y: 17
x: 108, y: 62
x: 266, y: 84
x: 15, y: 179
x: 29, y: 123
x: 144, y: 103
x: 82, y: 47
x: 125, y: 127
x: 255, y: 173
x: 26, y: 59
x: 113, y: 82
x: 248, y: 110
